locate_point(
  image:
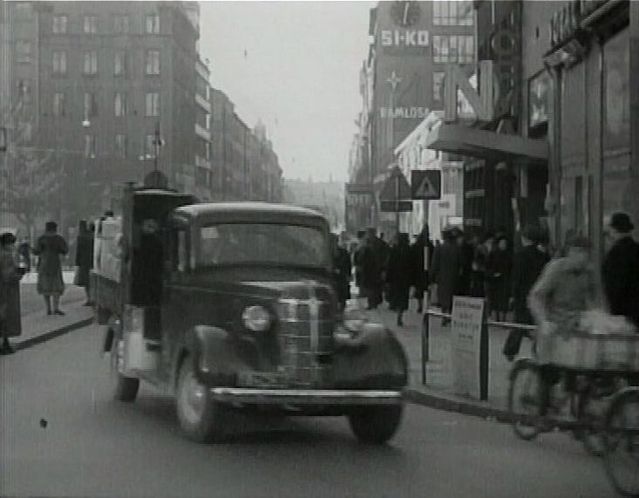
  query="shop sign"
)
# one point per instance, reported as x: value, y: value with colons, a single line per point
x: 404, y: 112
x: 467, y: 330
x: 482, y: 104
x: 404, y: 38
x: 358, y: 195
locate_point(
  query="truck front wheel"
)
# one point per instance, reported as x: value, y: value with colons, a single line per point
x: 201, y: 418
x: 375, y: 424
x: 124, y: 388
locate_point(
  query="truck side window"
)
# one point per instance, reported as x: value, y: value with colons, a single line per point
x: 182, y: 251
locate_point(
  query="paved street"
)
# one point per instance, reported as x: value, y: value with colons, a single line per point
x: 93, y: 446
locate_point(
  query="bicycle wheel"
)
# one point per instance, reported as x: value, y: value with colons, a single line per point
x: 524, y: 399
x: 621, y: 448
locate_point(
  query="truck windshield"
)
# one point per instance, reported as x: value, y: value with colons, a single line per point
x: 263, y: 243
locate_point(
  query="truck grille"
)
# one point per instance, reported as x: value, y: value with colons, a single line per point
x: 306, y: 339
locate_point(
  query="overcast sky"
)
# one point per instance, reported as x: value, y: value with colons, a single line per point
x: 295, y: 66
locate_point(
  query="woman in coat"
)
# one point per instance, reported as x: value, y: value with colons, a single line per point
x: 400, y: 275
x: 499, y: 270
x: 84, y: 258
x: 10, y: 276
x: 50, y: 248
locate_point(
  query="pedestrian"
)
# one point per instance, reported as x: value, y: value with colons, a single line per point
x: 498, y: 271
x: 10, y: 275
x: 466, y: 271
x: 84, y: 259
x: 446, y: 270
x: 372, y: 255
x: 528, y: 265
x: 620, y: 269
x: 400, y: 275
x: 480, y: 259
x: 50, y: 248
x: 24, y: 251
x: 422, y: 255
x: 388, y: 290
x: 342, y: 272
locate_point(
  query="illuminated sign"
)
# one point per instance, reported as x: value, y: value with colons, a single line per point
x: 404, y: 112
x: 404, y: 38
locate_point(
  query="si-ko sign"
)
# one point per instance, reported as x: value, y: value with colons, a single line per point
x: 404, y: 38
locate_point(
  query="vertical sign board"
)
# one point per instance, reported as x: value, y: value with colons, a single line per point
x: 468, y: 335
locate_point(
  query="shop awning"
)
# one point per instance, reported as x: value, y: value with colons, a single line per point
x: 460, y: 139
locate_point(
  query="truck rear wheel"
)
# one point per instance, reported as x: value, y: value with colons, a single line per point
x: 124, y: 388
x: 201, y: 418
x: 375, y: 424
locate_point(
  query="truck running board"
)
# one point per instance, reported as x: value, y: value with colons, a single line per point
x: 305, y: 396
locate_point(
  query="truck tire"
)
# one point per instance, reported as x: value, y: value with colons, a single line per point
x: 375, y: 424
x: 201, y: 418
x: 124, y: 388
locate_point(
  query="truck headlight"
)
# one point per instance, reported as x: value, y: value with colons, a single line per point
x: 256, y: 318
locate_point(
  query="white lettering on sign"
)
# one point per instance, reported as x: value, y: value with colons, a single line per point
x: 404, y: 112
x: 483, y: 105
x: 465, y: 340
x: 404, y: 38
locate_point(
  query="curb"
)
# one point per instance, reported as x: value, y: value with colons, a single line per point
x: 418, y: 397
x: 52, y: 334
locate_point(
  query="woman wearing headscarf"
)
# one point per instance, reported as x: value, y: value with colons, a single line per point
x: 10, y: 275
x: 50, y: 248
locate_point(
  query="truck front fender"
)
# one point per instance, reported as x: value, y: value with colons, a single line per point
x: 213, y: 352
x: 375, y: 360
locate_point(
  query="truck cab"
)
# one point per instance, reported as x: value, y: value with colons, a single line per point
x: 231, y: 306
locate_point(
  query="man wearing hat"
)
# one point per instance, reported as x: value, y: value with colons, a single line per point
x: 620, y: 271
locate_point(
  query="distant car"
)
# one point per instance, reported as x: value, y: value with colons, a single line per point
x: 246, y: 318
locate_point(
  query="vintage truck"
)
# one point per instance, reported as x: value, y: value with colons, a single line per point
x: 230, y: 306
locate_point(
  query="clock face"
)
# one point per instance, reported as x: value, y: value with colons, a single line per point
x: 405, y: 13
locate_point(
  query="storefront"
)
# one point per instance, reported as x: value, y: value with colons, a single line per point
x: 591, y: 65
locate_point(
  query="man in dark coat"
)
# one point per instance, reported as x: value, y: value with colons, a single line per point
x: 620, y: 271
x: 528, y: 264
x: 422, y: 254
x: 341, y: 271
x: 84, y: 258
x: 446, y: 269
x: 50, y: 249
x: 400, y: 275
x: 10, y: 275
x: 371, y: 260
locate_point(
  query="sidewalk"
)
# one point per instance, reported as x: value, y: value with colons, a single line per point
x: 37, y: 326
x: 438, y: 391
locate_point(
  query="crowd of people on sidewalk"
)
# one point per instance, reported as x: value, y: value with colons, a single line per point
x: 50, y: 249
x: 533, y: 284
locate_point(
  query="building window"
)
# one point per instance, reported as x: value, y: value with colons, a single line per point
x: 153, y: 24
x: 120, y: 104
x: 23, y: 51
x: 153, y: 104
x: 438, y: 85
x: 23, y: 11
x: 24, y: 91
x: 120, y: 146
x: 120, y: 24
x: 90, y: 62
x: 452, y: 13
x: 59, y: 104
x: 120, y: 63
x: 153, y: 62
x: 60, y: 24
x: 90, y: 24
x: 89, y: 146
x: 149, y: 145
x: 90, y: 105
x: 453, y: 48
x: 59, y: 62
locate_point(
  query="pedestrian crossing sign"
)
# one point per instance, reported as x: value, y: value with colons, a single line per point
x: 426, y: 184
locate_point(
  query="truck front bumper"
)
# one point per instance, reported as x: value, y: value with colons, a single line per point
x: 300, y: 397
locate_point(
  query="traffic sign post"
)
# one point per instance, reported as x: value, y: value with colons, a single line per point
x: 395, y: 196
x: 426, y: 184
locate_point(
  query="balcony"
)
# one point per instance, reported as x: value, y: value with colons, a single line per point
x: 202, y: 132
x: 203, y: 103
